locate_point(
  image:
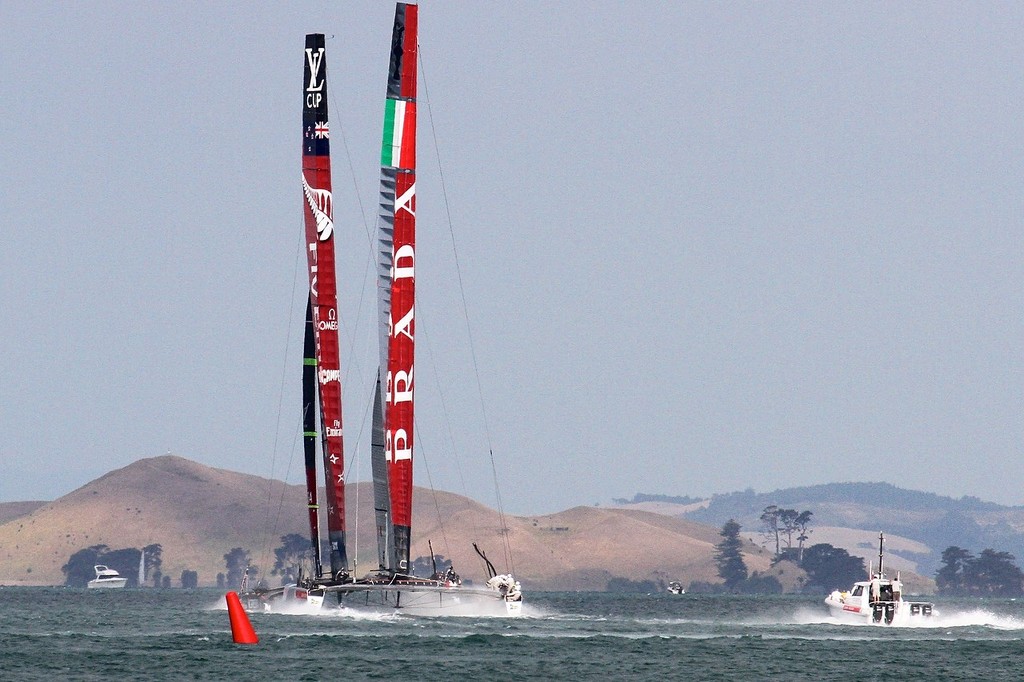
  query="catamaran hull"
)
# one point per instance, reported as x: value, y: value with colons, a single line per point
x: 413, y: 600
x: 447, y: 600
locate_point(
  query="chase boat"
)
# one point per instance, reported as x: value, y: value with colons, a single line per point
x: 878, y: 600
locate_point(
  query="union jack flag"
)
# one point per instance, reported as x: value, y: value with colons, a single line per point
x: 322, y: 131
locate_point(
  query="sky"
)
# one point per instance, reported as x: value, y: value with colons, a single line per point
x: 682, y: 248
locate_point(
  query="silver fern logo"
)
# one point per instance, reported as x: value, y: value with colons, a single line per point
x: 322, y: 206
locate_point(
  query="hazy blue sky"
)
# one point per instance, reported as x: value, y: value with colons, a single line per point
x: 704, y: 246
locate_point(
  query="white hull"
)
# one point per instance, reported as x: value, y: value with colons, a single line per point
x: 514, y: 608
x: 850, y: 609
x: 430, y: 601
x: 106, y: 578
x: 389, y: 599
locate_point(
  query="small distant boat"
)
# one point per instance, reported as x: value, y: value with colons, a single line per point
x: 106, y: 578
x: 878, y: 600
x: 676, y: 587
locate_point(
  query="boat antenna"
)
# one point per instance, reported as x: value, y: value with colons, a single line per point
x: 881, y: 542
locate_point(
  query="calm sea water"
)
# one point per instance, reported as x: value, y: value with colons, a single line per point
x: 65, y: 634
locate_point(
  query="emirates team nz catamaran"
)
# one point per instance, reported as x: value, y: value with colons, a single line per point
x: 391, y: 585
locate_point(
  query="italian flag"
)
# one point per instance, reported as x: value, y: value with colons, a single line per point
x: 399, y: 145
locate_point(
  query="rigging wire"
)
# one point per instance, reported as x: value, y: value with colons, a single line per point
x: 354, y: 365
x: 422, y: 331
x: 269, y: 529
x: 465, y: 313
x: 433, y: 491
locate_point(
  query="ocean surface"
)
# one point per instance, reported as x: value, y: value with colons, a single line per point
x: 76, y: 634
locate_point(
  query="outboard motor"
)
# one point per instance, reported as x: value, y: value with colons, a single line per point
x: 877, y: 612
x: 890, y: 612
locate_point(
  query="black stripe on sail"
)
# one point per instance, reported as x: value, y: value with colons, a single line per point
x: 397, y: 43
x: 309, y: 415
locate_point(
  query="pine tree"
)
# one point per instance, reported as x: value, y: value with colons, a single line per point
x: 728, y: 558
x: 951, y: 578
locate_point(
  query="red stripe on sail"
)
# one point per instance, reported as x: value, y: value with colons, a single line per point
x: 409, y: 49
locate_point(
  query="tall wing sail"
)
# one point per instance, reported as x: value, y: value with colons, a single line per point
x: 323, y: 294
x: 309, y: 434
x: 396, y: 272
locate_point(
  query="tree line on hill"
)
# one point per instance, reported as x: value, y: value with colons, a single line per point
x: 992, y: 573
x: 79, y: 569
x: 826, y: 566
x: 943, y: 521
x: 289, y: 557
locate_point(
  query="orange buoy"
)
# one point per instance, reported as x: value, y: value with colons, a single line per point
x: 241, y: 628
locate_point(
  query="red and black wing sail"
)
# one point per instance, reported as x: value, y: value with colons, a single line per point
x: 323, y: 293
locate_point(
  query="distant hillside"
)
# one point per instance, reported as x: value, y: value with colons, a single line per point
x: 928, y: 522
x: 835, y: 497
x: 198, y: 513
x: 12, y: 510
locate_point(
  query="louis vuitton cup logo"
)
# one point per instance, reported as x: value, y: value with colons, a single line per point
x: 314, y: 90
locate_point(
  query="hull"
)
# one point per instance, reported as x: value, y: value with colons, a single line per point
x: 106, y: 578
x: 895, y: 613
x: 425, y: 598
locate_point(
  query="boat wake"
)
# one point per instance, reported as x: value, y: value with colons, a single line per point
x: 944, y: 618
x: 478, y: 610
x: 974, y: 618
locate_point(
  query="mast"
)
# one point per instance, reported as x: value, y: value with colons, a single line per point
x: 396, y: 274
x: 309, y: 435
x: 323, y: 295
x: 881, y: 543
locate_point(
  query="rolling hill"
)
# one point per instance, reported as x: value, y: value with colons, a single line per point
x: 198, y: 513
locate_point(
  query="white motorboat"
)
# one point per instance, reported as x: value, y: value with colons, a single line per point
x: 106, y: 578
x: 676, y: 587
x: 878, y: 600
